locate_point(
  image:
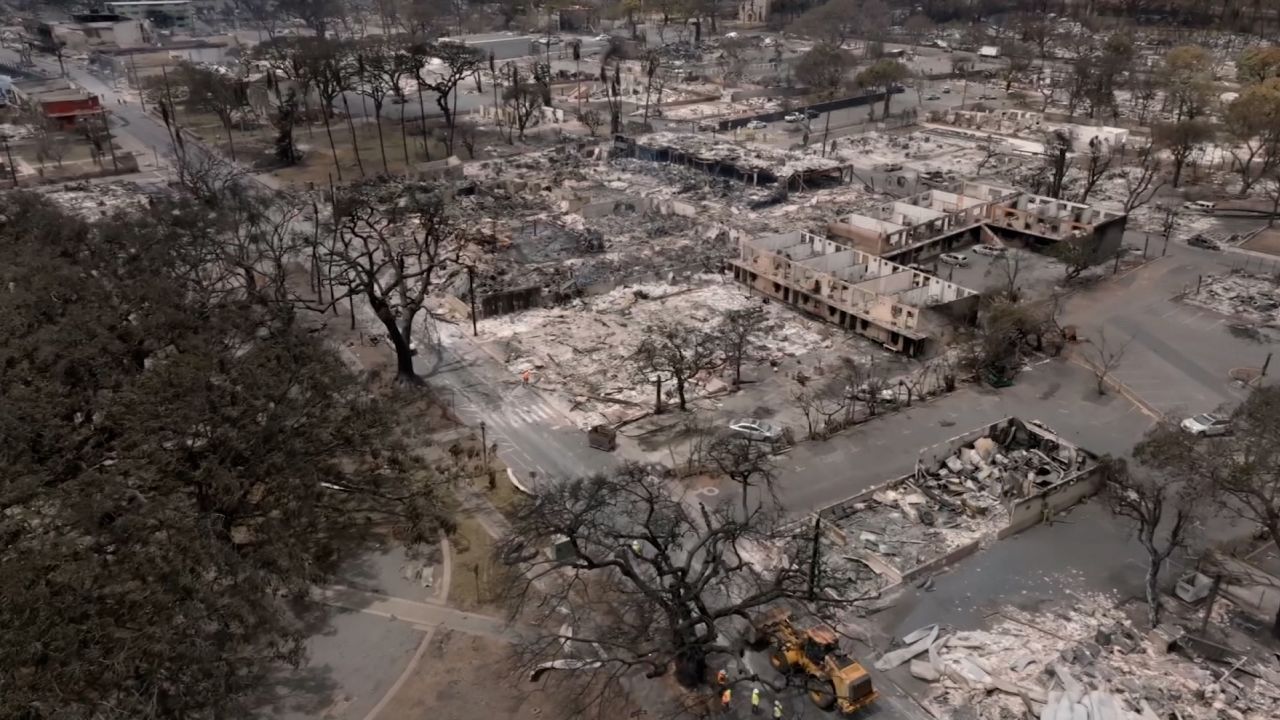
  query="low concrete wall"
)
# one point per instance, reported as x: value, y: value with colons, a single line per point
x: 1029, y: 511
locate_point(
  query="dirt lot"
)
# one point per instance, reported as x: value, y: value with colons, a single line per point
x: 462, y: 677
x: 1264, y: 242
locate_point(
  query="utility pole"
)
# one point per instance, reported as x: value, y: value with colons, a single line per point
x: 13, y: 169
x: 814, y: 558
x: 111, y: 146
x: 484, y: 445
x: 1265, y: 364
x: 471, y: 290
x: 142, y: 99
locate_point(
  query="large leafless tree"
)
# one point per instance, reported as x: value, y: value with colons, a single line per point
x: 393, y: 244
x: 617, y: 571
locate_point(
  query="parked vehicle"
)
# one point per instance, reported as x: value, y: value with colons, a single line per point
x: 1207, y: 424
x: 757, y: 125
x: 889, y: 167
x: 955, y: 259
x: 883, y: 395
x: 933, y: 96
x: 1203, y: 241
x: 756, y: 430
x: 1201, y: 206
x: 946, y: 89
x: 990, y: 250
x: 793, y: 117
x: 812, y: 114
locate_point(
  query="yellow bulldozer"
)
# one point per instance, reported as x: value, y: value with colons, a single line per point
x: 832, y: 679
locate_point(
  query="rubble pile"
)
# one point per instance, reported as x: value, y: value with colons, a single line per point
x: 1084, y: 662
x: 981, y: 475
x: 904, y: 529
x: 12, y: 131
x: 96, y: 200
x: 584, y: 348
x: 962, y: 500
x: 744, y: 156
x: 1253, y: 298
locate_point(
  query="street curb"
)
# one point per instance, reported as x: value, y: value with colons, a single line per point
x: 519, y: 485
x: 446, y: 574
x: 1128, y: 394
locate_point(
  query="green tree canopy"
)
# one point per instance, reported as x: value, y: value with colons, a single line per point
x: 182, y: 462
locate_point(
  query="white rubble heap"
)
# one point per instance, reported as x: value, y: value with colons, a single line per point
x: 1254, y: 298
x: 941, y: 509
x: 12, y: 131
x: 96, y: 200
x: 583, y: 348
x: 1086, y: 661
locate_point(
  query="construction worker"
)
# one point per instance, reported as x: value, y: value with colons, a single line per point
x: 524, y: 377
x: 725, y: 696
x: 777, y: 710
x: 722, y: 677
x: 755, y: 700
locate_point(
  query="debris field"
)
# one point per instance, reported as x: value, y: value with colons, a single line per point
x: 583, y: 349
x: 1253, y: 298
x: 965, y: 497
x: 1085, y: 660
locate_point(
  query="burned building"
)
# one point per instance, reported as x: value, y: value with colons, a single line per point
x: 984, y: 485
x: 754, y: 165
x: 944, y: 219
x: 901, y: 308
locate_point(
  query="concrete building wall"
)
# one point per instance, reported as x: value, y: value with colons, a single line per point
x: 181, y: 12
x: 859, y: 291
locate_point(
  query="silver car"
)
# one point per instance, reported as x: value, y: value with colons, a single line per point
x: 756, y: 430
x: 1207, y: 424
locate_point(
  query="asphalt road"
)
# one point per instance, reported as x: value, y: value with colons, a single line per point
x: 534, y: 438
x: 813, y: 475
x: 147, y: 130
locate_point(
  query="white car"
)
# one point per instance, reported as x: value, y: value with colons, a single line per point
x: 992, y: 250
x: 883, y: 395
x: 1207, y: 424
x: 756, y: 430
x: 793, y: 117
x: 955, y: 259
x: 757, y: 125
x: 602, y: 38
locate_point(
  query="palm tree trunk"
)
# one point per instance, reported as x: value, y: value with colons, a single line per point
x: 355, y: 142
x: 328, y: 129
x: 231, y: 143
x: 422, y: 123
x: 382, y: 145
x: 404, y: 139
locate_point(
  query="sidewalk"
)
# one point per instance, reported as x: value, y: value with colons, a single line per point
x: 424, y: 616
